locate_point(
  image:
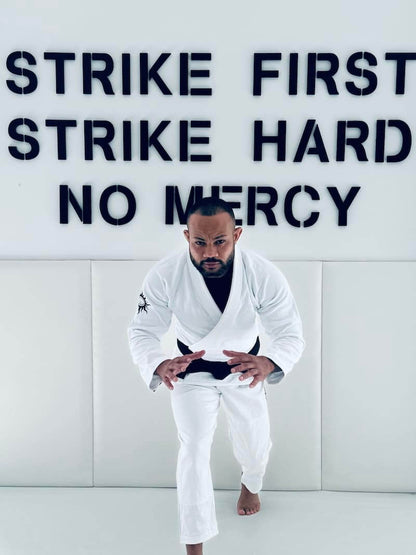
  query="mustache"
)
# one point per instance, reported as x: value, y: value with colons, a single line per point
x: 212, y: 260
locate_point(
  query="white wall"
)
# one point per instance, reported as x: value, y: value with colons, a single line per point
x: 380, y: 226
x: 342, y: 419
x: 73, y: 410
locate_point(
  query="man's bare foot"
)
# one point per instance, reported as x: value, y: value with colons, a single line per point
x: 248, y: 503
x: 194, y: 549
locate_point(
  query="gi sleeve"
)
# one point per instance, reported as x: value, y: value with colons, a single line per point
x: 280, y: 318
x: 276, y: 375
x: 150, y: 322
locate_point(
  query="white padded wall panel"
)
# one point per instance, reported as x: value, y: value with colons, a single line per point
x: 45, y: 367
x: 135, y: 435
x: 369, y: 376
x: 295, y: 462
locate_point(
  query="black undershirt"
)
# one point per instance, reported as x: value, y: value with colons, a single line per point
x: 220, y: 287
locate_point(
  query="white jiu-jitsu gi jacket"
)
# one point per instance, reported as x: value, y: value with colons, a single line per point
x: 175, y: 288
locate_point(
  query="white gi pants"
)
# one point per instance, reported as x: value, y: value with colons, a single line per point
x: 195, y: 403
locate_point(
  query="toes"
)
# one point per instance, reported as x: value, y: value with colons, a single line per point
x: 248, y: 510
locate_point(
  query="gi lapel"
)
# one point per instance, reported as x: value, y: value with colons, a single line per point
x: 226, y: 318
x: 205, y: 297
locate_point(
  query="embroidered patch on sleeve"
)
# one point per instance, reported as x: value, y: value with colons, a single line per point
x: 143, y: 304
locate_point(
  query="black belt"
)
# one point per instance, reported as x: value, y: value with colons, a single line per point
x: 219, y: 370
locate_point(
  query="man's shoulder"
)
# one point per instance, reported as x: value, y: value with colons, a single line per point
x: 167, y: 266
x: 260, y: 270
x: 255, y: 261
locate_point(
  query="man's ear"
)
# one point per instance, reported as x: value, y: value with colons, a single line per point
x: 186, y: 233
x: 237, y: 232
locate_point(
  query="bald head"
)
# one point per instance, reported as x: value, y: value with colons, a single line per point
x: 210, y: 206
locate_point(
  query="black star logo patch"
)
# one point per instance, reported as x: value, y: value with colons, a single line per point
x: 143, y: 304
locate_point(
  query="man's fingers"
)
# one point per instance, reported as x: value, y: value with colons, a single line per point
x: 178, y: 368
x: 243, y: 367
x: 167, y: 382
x: 197, y: 354
x: 189, y: 358
x: 254, y: 382
x: 237, y: 360
x: 179, y: 360
x: 248, y: 374
x: 232, y: 353
x: 178, y: 365
x: 237, y: 355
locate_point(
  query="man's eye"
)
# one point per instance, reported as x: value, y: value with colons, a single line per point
x: 199, y: 243
x: 220, y: 241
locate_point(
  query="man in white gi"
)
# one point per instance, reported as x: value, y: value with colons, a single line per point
x: 216, y: 292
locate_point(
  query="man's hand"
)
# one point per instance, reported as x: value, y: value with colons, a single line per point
x: 168, y: 369
x: 252, y: 365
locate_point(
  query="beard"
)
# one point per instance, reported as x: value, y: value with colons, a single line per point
x: 220, y: 272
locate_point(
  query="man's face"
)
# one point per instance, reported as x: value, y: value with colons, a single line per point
x: 211, y: 243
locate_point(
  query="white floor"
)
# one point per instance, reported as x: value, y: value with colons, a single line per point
x: 127, y: 521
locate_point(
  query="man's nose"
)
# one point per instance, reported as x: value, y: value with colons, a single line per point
x: 210, y: 251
